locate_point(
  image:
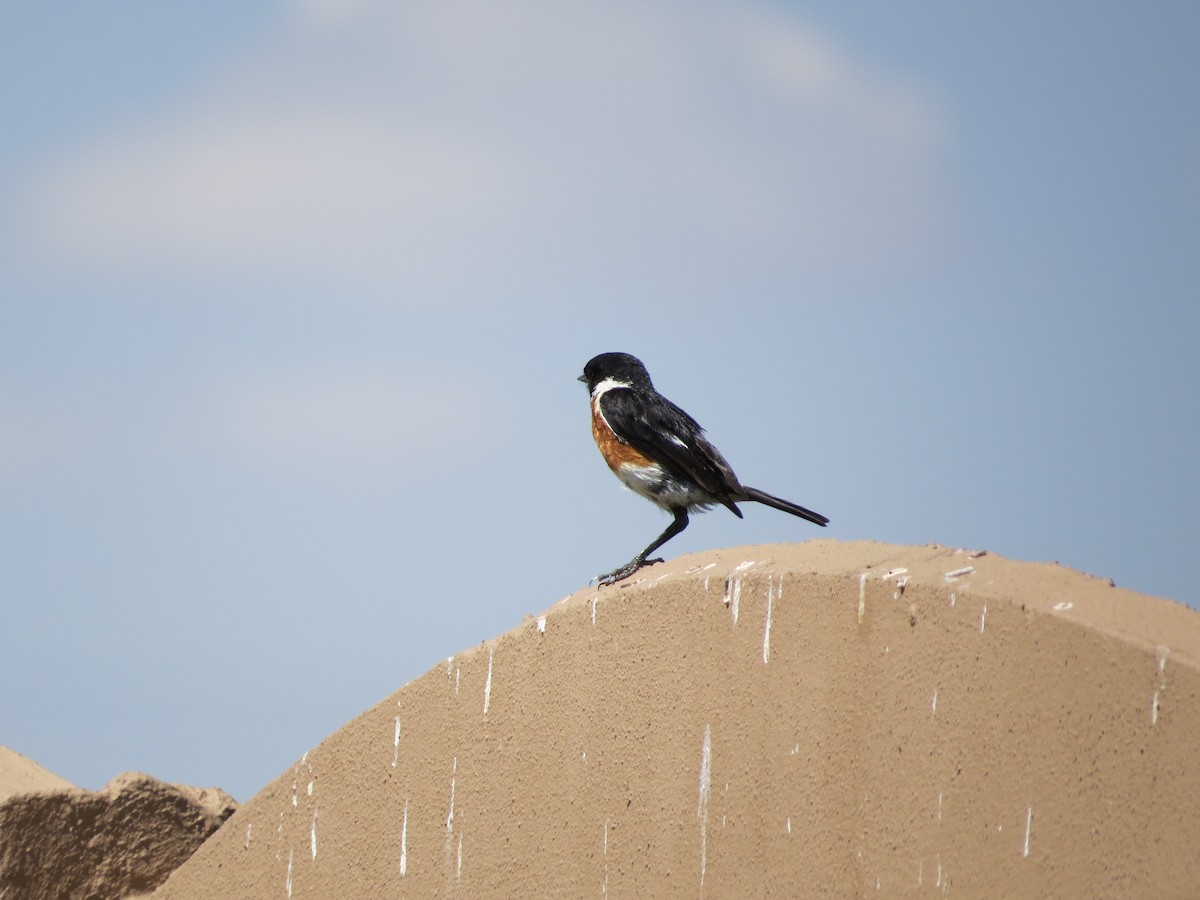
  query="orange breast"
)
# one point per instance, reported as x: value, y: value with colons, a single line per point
x: 615, y: 451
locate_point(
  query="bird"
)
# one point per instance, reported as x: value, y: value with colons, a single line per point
x: 660, y: 452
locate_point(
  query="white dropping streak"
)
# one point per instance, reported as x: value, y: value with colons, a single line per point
x: 541, y: 624
x: 450, y: 816
x: 487, y: 685
x: 249, y: 828
x: 594, y: 599
x: 733, y: 596
x: 288, y: 882
x: 404, y: 842
x: 313, y: 836
x: 396, y: 744
x: 604, y: 883
x: 934, y: 704
x: 862, y: 596
x: 767, y: 627
x: 1028, y: 826
x: 702, y: 806
x: 939, y: 814
x: 983, y: 617
x: 457, y: 677
x: 458, y: 865
x: 1163, y: 653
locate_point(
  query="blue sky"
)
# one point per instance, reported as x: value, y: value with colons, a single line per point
x: 294, y: 297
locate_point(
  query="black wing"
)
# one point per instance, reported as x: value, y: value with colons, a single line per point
x: 661, y: 430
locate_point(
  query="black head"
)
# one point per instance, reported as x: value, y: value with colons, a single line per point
x: 617, y: 366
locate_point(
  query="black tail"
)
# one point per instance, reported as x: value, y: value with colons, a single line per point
x: 785, y: 506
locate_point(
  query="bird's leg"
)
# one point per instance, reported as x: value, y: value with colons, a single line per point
x: 680, y: 522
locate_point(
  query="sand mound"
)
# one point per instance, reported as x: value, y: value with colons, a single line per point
x: 21, y: 775
x: 120, y: 841
x: 794, y: 720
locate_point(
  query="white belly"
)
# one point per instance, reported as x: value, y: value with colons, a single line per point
x: 653, y: 483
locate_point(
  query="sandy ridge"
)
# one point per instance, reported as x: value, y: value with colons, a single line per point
x: 837, y: 718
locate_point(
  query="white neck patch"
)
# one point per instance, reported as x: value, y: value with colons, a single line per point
x: 607, y: 385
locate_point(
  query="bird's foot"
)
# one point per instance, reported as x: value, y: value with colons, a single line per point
x: 625, y: 571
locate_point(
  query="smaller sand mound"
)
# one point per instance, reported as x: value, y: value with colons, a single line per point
x: 21, y: 775
x: 121, y: 841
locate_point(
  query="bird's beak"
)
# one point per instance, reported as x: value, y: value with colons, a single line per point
x: 582, y: 378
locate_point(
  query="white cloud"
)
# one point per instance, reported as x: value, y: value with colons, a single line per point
x: 336, y: 423
x: 326, y: 12
x: 276, y: 191
x: 449, y: 146
x: 343, y: 423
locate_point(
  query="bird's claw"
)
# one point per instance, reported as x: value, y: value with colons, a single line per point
x: 625, y: 571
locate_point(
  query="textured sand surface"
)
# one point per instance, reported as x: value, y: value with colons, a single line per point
x: 121, y: 841
x: 787, y: 720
